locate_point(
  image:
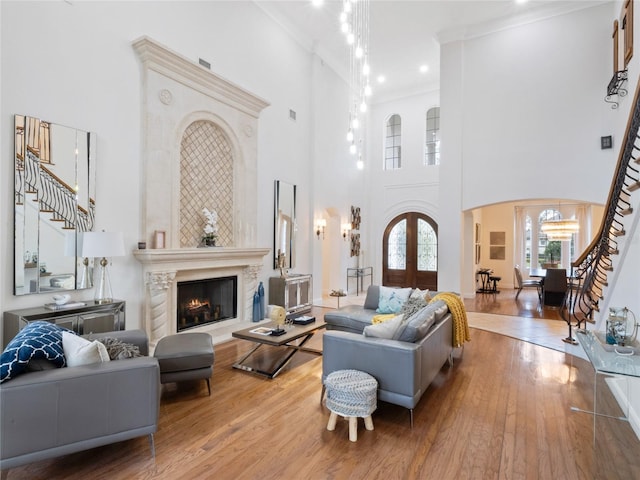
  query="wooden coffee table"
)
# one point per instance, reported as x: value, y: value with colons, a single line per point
x: 291, y: 342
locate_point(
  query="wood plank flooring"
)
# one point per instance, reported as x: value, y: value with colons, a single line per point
x: 503, y: 411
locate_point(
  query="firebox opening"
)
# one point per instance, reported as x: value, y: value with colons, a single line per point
x: 202, y: 302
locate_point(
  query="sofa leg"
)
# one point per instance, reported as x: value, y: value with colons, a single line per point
x: 451, y: 358
x: 209, y: 386
x: 4, y: 473
x: 322, y: 393
x: 152, y: 445
x: 411, y: 417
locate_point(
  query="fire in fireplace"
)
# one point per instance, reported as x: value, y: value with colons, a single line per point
x: 202, y: 302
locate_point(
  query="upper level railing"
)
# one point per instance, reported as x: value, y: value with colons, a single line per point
x: 591, y: 268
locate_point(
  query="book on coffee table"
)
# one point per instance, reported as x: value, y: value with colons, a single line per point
x: 261, y: 331
x: 303, y: 320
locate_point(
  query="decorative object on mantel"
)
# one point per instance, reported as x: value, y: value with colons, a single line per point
x: 210, y: 229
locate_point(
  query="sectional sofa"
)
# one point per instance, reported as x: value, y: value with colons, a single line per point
x: 404, y: 369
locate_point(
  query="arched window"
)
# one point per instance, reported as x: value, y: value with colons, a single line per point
x: 432, y: 137
x: 392, y: 147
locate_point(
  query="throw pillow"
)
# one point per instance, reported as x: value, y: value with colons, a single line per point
x: 37, y: 340
x: 416, y: 327
x: 391, y: 300
x: 119, y: 350
x: 80, y: 351
x: 411, y: 306
x: 383, y: 330
x: 421, y: 293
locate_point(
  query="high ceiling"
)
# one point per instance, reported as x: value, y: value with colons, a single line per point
x: 405, y: 33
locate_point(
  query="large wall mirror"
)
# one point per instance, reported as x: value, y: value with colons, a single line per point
x: 54, y: 204
x: 284, y: 225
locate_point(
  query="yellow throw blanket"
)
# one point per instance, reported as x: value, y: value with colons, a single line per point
x: 460, y: 325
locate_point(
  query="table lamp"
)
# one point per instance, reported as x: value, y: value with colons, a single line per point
x: 102, y: 245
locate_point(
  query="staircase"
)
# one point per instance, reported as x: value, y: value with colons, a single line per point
x: 593, y: 270
x: 34, y: 180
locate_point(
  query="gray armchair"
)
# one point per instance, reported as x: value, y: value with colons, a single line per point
x: 58, y: 411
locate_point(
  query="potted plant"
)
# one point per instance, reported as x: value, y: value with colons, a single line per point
x: 210, y: 229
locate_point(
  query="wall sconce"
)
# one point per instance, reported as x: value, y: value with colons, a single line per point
x: 346, y: 228
x: 320, y: 225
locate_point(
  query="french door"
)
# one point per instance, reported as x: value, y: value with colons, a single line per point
x: 410, y: 252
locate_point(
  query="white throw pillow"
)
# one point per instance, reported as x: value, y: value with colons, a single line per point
x: 80, y: 351
x: 383, y: 330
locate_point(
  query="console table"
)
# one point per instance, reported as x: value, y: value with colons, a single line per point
x: 85, y: 319
x: 616, y: 363
x: 293, y: 292
x: 359, y: 274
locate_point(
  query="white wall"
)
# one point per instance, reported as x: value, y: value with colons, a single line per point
x: 522, y: 112
x: 411, y: 188
x: 73, y: 64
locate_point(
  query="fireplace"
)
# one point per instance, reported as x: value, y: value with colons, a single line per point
x: 201, y: 302
x: 178, y: 95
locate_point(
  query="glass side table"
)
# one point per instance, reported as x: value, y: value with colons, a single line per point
x: 614, y: 367
x: 359, y: 274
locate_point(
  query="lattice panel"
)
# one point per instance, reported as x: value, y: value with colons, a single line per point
x: 206, y: 181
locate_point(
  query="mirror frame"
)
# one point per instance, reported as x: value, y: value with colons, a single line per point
x: 284, y: 224
x: 54, y: 203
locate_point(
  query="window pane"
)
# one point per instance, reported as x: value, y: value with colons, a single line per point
x: 427, y: 247
x: 393, y: 138
x: 397, y: 247
x: 432, y: 137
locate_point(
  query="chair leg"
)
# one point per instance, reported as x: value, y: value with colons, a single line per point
x: 322, y: 393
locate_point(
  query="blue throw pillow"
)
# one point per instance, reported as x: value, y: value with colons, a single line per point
x: 391, y: 300
x: 37, y: 340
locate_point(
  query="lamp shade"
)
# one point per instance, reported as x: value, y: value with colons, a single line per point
x: 103, y: 244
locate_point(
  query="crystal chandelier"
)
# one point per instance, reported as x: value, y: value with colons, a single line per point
x: 561, y: 230
x: 354, y: 24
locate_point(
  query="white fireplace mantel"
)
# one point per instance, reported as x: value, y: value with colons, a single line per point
x: 163, y: 269
x: 199, y: 258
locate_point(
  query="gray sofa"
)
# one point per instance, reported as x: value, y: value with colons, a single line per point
x: 58, y: 411
x: 404, y: 370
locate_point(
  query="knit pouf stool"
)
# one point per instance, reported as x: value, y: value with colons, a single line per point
x: 351, y: 394
x: 185, y: 356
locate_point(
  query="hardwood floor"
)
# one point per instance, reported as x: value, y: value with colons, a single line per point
x: 502, y: 411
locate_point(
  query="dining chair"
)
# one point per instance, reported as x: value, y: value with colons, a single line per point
x: 554, y: 287
x: 531, y: 283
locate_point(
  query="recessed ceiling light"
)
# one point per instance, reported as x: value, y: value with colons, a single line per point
x: 424, y: 68
x: 317, y: 3
x: 381, y: 79
x: 522, y: 1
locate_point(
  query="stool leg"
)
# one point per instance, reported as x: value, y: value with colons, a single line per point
x: 368, y: 423
x: 353, y: 429
x: 332, y: 421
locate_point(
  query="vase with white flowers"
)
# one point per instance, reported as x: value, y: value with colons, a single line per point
x: 210, y: 229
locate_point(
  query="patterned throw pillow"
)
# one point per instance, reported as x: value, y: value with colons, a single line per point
x: 411, y: 306
x: 37, y: 340
x: 118, y: 349
x: 391, y: 300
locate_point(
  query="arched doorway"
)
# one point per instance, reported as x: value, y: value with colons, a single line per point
x: 410, y: 252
